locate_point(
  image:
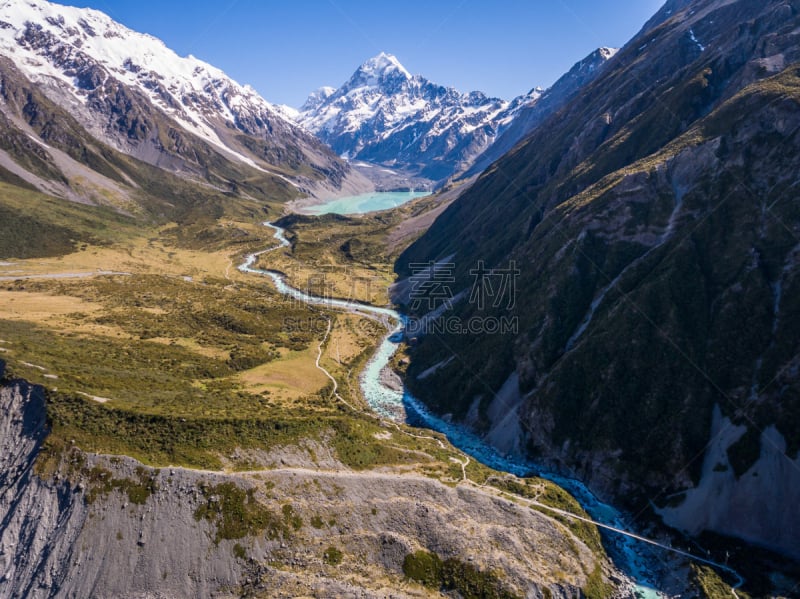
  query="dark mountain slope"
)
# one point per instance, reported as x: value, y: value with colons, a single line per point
x: 656, y: 227
x: 551, y: 101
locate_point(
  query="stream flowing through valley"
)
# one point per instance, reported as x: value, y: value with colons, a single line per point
x: 637, y: 558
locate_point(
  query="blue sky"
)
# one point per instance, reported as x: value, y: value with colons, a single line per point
x: 285, y: 49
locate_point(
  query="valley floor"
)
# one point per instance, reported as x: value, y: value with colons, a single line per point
x: 169, y: 357
x: 175, y: 393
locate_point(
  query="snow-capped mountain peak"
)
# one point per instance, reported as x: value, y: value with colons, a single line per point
x: 95, y: 34
x: 386, y: 115
x: 539, y: 104
x: 381, y: 65
x: 383, y: 72
x: 80, y: 50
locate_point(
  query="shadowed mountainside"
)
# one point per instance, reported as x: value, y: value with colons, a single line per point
x: 655, y: 224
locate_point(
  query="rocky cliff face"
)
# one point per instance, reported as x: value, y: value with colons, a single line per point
x: 723, y: 500
x: 41, y: 521
x: 655, y: 230
x: 74, y: 524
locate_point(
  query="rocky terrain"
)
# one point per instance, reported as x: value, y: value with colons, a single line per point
x: 654, y: 224
x: 76, y: 524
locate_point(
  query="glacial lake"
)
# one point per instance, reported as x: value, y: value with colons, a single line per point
x: 366, y: 202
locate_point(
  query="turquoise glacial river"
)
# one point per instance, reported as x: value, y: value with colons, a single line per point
x: 631, y: 556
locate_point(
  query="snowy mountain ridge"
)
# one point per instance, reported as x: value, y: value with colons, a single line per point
x: 75, y: 52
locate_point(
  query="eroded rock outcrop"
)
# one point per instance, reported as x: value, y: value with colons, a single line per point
x: 74, y: 524
x: 40, y: 521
